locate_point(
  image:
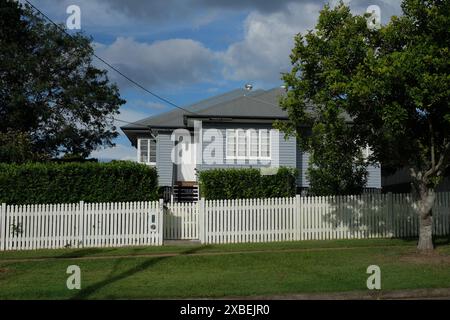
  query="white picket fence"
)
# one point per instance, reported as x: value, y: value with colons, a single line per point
x: 318, y: 218
x: 79, y: 225
x: 225, y: 221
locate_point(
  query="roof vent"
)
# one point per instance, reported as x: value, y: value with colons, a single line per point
x: 248, y: 87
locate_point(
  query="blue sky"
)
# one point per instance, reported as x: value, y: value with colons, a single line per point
x: 189, y: 50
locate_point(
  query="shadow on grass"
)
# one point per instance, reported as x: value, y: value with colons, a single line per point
x: 83, y: 253
x: 90, y: 290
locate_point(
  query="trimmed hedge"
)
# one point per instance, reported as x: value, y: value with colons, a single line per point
x: 45, y: 183
x: 220, y: 184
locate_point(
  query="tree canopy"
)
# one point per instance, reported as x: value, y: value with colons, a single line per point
x: 393, y: 83
x: 50, y: 90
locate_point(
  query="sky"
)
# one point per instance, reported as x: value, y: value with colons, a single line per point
x: 190, y: 50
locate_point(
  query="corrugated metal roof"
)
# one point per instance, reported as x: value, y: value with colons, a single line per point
x: 258, y: 103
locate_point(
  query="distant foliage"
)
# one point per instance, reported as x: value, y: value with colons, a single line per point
x: 247, y: 183
x: 46, y: 183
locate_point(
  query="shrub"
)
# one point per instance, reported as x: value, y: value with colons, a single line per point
x: 247, y: 183
x: 41, y: 183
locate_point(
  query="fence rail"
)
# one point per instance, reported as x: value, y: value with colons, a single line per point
x: 226, y: 221
x: 80, y: 225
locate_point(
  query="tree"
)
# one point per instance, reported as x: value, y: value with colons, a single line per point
x: 16, y: 147
x: 337, y: 165
x: 394, y: 84
x: 49, y: 89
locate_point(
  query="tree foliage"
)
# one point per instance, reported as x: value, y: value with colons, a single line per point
x: 337, y: 166
x: 393, y: 83
x: 50, y: 90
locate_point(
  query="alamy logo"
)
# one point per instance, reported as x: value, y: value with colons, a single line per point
x: 74, y: 280
x: 374, y: 18
x: 374, y: 280
x: 73, y: 22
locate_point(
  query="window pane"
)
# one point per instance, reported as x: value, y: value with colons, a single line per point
x: 265, y: 143
x: 152, y: 151
x: 231, y: 143
x: 143, y: 157
x: 242, y: 143
x: 253, y: 136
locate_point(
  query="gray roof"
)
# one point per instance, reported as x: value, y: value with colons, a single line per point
x: 237, y: 103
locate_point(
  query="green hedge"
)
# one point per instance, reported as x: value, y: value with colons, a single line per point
x: 247, y: 183
x: 41, y: 183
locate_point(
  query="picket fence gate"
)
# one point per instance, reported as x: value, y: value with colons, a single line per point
x: 216, y: 221
x: 181, y: 221
x: 80, y: 225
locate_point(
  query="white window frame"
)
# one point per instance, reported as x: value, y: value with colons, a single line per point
x: 139, y: 143
x: 245, y: 156
x: 269, y: 147
x: 226, y: 144
x: 248, y: 144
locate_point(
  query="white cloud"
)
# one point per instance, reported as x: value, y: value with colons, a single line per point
x: 268, y: 40
x: 119, y: 152
x: 174, y: 62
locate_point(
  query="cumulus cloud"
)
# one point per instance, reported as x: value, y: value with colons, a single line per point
x: 174, y: 62
x: 264, y: 52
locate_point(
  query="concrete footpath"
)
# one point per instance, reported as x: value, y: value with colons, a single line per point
x: 417, y: 294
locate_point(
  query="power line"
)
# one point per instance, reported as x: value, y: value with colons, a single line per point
x: 111, y: 66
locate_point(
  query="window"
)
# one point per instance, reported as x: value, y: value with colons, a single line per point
x: 231, y: 144
x: 248, y: 144
x: 253, y: 139
x: 241, y: 144
x: 264, y: 150
x: 147, y: 151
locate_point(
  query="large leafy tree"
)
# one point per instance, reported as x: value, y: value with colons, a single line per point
x: 394, y: 84
x: 50, y: 91
x: 337, y: 166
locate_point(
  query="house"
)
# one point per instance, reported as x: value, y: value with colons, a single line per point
x: 231, y: 130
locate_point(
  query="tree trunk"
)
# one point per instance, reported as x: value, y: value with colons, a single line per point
x: 425, y: 234
x: 425, y: 201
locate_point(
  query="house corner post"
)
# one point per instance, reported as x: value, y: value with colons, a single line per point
x: 298, y: 218
x: 161, y: 222
x: 82, y: 223
x: 3, y: 227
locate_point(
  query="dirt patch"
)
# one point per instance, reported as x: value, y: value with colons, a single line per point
x: 4, y: 270
x: 429, y: 258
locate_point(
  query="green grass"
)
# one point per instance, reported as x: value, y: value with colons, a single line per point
x: 257, y: 269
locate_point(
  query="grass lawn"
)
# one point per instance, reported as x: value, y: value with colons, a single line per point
x: 222, y: 270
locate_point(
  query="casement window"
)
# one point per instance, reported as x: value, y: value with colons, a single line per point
x: 231, y: 144
x: 253, y: 139
x: 147, y: 151
x: 264, y: 145
x: 247, y: 144
x: 241, y: 143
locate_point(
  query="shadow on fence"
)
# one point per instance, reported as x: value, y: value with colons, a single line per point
x: 386, y: 215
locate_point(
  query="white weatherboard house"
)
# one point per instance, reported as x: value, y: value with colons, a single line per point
x: 232, y: 130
